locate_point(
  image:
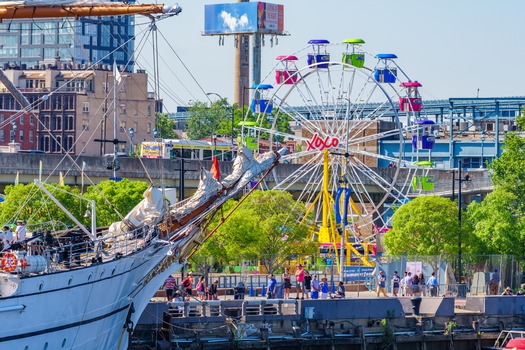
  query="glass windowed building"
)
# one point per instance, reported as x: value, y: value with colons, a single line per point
x: 95, y: 40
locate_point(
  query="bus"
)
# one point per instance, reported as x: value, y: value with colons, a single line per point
x: 188, y: 149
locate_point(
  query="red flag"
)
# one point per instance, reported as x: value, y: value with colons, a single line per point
x: 215, y: 171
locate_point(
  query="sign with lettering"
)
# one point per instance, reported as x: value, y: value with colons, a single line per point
x: 321, y: 144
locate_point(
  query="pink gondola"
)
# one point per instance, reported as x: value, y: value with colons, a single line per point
x: 288, y: 75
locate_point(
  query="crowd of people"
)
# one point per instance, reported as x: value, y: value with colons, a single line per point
x: 311, y: 286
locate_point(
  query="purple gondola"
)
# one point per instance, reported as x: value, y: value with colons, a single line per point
x: 320, y: 58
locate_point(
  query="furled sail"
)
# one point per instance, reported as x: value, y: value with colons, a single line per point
x: 78, y: 8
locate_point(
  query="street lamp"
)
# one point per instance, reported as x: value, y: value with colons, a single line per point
x: 131, y: 133
x: 13, y: 132
x: 155, y: 133
x: 482, y: 136
x: 232, y: 112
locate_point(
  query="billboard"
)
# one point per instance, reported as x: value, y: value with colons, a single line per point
x: 243, y: 17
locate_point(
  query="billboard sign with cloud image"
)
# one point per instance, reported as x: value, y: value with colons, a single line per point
x: 243, y: 17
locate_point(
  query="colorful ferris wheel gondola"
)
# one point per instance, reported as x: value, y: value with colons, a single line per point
x: 386, y: 69
x: 319, y: 57
x: 354, y: 54
x: 288, y: 74
x: 411, y: 100
x: 261, y: 103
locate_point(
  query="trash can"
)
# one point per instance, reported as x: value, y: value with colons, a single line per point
x: 416, y: 303
x: 462, y: 290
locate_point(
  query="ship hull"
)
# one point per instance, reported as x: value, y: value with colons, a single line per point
x: 84, y: 308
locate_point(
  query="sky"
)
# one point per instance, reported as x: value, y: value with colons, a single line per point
x: 454, y: 48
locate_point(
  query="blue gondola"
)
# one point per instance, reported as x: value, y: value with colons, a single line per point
x: 384, y: 72
x: 261, y: 104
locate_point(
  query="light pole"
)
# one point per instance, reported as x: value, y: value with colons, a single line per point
x: 232, y: 115
x: 155, y: 133
x: 482, y: 137
x: 131, y: 133
x: 13, y: 132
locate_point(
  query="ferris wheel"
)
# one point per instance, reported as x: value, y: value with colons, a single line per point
x: 345, y: 123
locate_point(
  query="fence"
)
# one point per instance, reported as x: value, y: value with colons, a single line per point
x: 476, y: 273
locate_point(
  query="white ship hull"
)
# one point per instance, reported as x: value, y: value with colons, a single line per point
x: 84, y: 308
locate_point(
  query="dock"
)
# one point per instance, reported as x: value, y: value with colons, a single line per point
x: 364, y: 323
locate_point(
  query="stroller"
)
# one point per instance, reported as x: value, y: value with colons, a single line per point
x: 239, y: 290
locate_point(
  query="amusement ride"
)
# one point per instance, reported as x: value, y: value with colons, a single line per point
x: 351, y: 105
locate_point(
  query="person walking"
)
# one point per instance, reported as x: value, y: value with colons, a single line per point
x: 169, y: 285
x: 20, y: 231
x: 187, y: 284
x: 271, y: 286
x: 7, y: 237
x: 404, y: 284
x: 381, y: 284
x: 395, y: 283
x: 433, y: 285
x: 315, y: 287
x: 287, y: 282
x: 324, y: 288
x: 422, y: 285
x: 299, y: 286
x: 494, y: 282
x: 201, y: 288
x: 307, y: 283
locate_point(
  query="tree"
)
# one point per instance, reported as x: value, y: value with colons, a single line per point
x: 265, y: 227
x: 113, y: 198
x: 29, y: 203
x: 165, y: 126
x: 499, y: 228
x: 508, y: 171
x: 205, y: 121
x: 427, y: 226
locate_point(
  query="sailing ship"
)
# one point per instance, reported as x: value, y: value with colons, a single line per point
x: 90, y: 293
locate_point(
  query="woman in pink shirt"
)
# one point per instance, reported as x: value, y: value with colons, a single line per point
x: 299, y: 276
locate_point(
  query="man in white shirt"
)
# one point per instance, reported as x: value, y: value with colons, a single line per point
x: 20, y: 231
x: 7, y: 237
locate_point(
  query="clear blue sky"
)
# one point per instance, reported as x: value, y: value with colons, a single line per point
x: 453, y: 48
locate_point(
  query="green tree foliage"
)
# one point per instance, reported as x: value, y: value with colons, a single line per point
x: 206, y: 120
x: 499, y: 221
x: 426, y: 226
x: 29, y: 203
x: 115, y: 197
x: 508, y: 171
x: 165, y: 126
x: 499, y: 228
x: 266, y: 224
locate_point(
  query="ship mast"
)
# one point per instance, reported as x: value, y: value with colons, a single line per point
x: 32, y: 9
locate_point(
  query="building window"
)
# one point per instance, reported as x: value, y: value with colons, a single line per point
x: 31, y: 120
x: 2, y: 135
x: 149, y: 128
x: 122, y: 109
x: 85, y: 107
x: 58, y: 122
x: 70, y: 142
x: 21, y: 119
x: 21, y: 136
x: 70, y: 123
x: 2, y: 118
x: 31, y: 136
x: 85, y: 124
x: 149, y: 110
x: 105, y: 87
x: 122, y: 126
